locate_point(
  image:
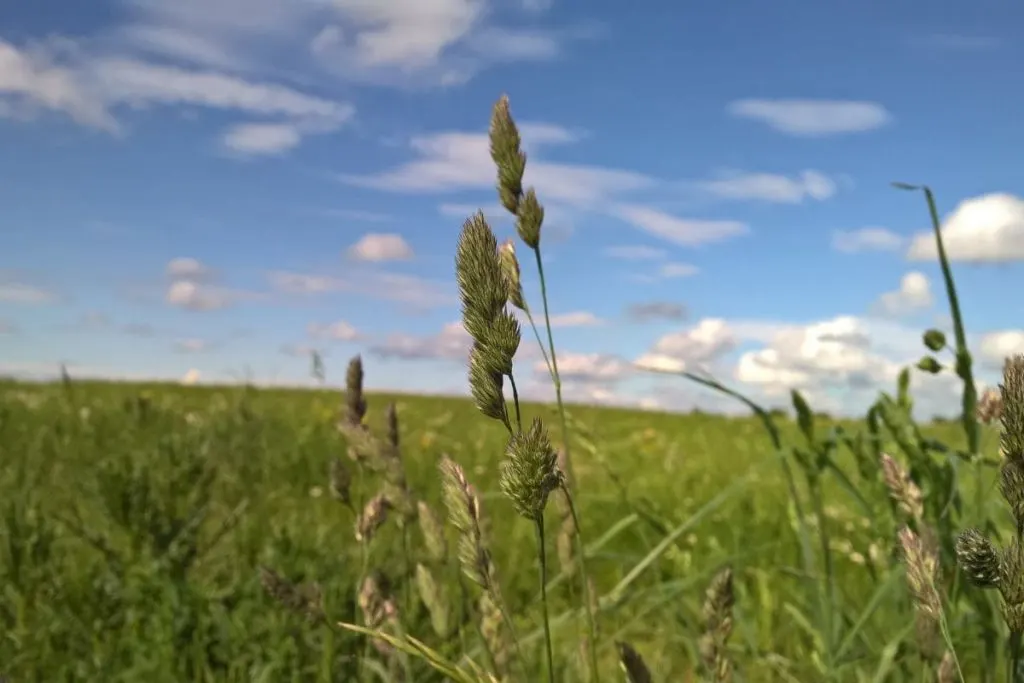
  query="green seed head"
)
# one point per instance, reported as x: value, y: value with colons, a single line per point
x: 530, y: 471
x: 978, y: 559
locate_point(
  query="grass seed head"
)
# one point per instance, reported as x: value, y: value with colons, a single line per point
x: 373, y: 516
x: 486, y: 383
x: 719, y: 599
x: 513, y: 274
x: 433, y: 533
x: 355, y: 401
x: 1011, y: 585
x: 465, y: 515
x: 530, y: 471
x: 341, y: 482
x: 529, y: 219
x: 902, y: 488
x: 1012, y: 417
x: 922, y: 572
x: 990, y: 406
x: 507, y: 155
x: 978, y: 559
x: 482, y: 287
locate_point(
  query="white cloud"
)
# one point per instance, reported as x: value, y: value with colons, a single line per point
x: 681, y: 231
x: 985, y: 229
x: 636, y: 253
x: 404, y: 289
x: 453, y: 161
x: 26, y: 294
x: 452, y: 343
x: 187, y: 268
x: 61, y: 78
x: 338, y: 331
x: 866, y: 239
x: 586, y: 367
x: 913, y: 295
x: 837, y: 352
x: 995, y: 347
x: 380, y: 247
x: 262, y: 138
x: 191, y: 377
x: 813, y: 118
x: 697, y: 346
x: 677, y: 270
x: 771, y: 187
x: 195, y: 296
x: 576, y: 319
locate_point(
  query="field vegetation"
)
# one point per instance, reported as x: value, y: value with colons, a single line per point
x: 166, y: 533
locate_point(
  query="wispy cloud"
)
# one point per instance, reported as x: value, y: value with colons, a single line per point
x: 813, y: 118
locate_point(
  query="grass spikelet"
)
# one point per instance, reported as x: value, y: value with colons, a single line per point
x: 509, y: 158
x: 922, y: 572
x: 464, y: 514
x: 496, y: 634
x: 530, y: 471
x: 435, y: 598
x: 355, y: 402
x: 513, y: 274
x: 902, y: 488
x: 373, y: 516
x: 433, y: 533
x: 719, y: 599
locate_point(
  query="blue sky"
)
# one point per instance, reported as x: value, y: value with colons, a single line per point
x: 211, y: 188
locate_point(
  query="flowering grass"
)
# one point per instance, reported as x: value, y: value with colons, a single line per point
x: 236, y: 534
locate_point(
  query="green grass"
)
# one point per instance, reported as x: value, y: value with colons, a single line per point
x: 95, y: 479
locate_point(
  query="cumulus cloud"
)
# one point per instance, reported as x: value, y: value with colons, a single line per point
x: 866, y: 239
x: 694, y: 347
x: 586, y: 367
x: 995, y: 347
x: 191, y: 377
x: 985, y: 229
x: 451, y: 343
x: 812, y: 118
x: 192, y: 288
x: 914, y: 294
x: 380, y: 247
x: 771, y: 187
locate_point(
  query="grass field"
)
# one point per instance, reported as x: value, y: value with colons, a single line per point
x: 166, y: 533
x: 135, y: 519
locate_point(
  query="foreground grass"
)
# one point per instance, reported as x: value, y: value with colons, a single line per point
x: 134, y: 519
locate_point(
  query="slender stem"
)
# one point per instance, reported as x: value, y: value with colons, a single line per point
x: 591, y: 619
x: 515, y: 399
x: 543, y: 349
x: 542, y: 554
x: 555, y: 377
x: 1013, y: 672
